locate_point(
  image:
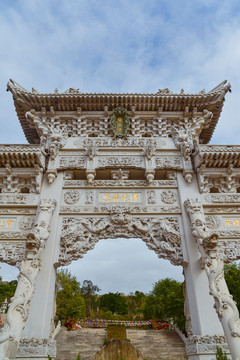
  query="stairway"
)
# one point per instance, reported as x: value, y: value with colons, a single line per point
x: 85, y: 341
x: 155, y: 345
x: 158, y: 345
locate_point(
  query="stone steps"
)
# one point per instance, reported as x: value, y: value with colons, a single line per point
x: 85, y: 341
x: 158, y: 345
x: 155, y: 345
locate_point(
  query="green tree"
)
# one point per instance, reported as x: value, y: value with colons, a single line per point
x: 136, y: 304
x: 232, y: 277
x: 7, y: 289
x: 114, y: 302
x: 166, y: 301
x: 70, y: 303
x: 89, y: 292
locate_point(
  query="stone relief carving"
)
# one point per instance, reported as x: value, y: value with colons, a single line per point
x: 71, y: 196
x: 168, y: 197
x: 220, y: 181
x: 17, y: 182
x: 26, y: 222
x: 37, y: 346
x: 15, y: 199
x: 117, y: 183
x: 19, y: 306
x: 207, y: 344
x: 220, y: 210
x: 17, y: 211
x: 80, y: 234
x: 213, y: 221
x: 223, y: 198
x: 119, y: 174
x: 89, y: 197
x: 119, y: 142
x: 42, y: 226
x: 208, y: 246
x: 72, y: 163
x: 229, y: 250
x: 151, y: 197
x: 183, y: 140
x: 12, y: 252
x: 165, y: 162
x: 120, y: 161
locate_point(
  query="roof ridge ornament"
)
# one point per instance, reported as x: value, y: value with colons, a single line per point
x: 120, y: 121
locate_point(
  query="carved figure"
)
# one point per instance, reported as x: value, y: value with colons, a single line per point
x: 224, y: 304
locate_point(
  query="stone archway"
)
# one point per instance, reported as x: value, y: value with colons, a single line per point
x: 95, y: 169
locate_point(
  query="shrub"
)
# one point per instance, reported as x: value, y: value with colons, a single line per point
x: 220, y: 355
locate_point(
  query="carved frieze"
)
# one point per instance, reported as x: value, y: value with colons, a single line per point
x: 16, y: 211
x: 80, y: 234
x: 168, y: 162
x: 221, y: 182
x: 123, y: 183
x: 67, y: 162
x: 39, y: 347
x: 207, y: 344
x: 223, y: 198
x: 134, y: 161
x: 119, y: 142
x: 18, y: 199
x: 12, y: 252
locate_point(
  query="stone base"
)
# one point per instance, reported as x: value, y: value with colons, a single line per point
x: 205, y: 347
x: 36, y: 348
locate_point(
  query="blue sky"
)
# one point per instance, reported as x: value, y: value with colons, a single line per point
x: 120, y: 46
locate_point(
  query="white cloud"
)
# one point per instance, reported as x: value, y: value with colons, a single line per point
x: 118, y: 46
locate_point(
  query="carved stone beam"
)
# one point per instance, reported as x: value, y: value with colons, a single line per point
x: 18, y: 310
x: 225, y: 306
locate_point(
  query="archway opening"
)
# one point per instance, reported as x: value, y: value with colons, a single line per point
x: 123, y: 265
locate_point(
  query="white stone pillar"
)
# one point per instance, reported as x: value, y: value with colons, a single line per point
x: 207, y: 244
x: 204, y: 320
x: 36, y: 334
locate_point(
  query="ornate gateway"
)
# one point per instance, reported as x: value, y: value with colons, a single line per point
x: 105, y: 166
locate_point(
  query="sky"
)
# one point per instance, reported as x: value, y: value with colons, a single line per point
x: 120, y: 46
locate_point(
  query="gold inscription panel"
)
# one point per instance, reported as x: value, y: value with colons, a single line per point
x: 7, y: 223
x: 120, y: 197
x: 232, y: 222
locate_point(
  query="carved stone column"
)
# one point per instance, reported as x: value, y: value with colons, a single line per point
x: 19, y: 307
x: 202, y: 319
x: 213, y: 265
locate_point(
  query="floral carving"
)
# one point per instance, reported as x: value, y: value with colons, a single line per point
x: 26, y: 223
x: 71, y: 196
x: 80, y: 234
x: 168, y: 197
x: 151, y: 197
x: 89, y: 196
x: 213, y: 221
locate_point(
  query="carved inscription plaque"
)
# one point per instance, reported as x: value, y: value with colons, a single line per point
x: 120, y: 197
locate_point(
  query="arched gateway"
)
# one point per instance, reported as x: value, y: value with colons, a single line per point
x: 110, y: 165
